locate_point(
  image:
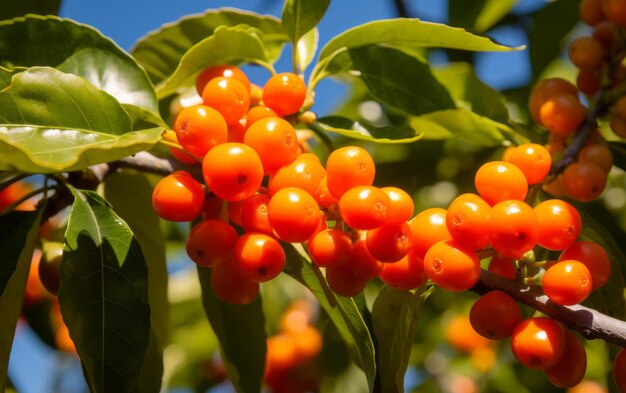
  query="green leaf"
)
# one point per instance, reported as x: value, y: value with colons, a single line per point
x: 470, y: 92
x: 550, y: 25
x: 305, y: 49
x: 608, y: 299
x: 478, y: 15
x: 394, y: 319
x: 409, y: 34
x: 43, y: 96
x: 300, y: 16
x: 140, y: 217
x: 241, y: 333
x: 467, y: 127
x: 393, y: 77
x: 78, y: 49
x: 355, y: 130
x: 343, y: 311
x: 161, y: 51
x: 33, y: 149
x: 18, y: 249
x: 11, y: 9
x: 226, y: 45
x: 619, y: 154
x: 104, y: 294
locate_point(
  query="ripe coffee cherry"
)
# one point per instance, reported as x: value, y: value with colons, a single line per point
x: 348, y: 167
x: 450, y: 266
x: 615, y: 11
x: 294, y: 214
x: 559, y: 224
x: 533, y: 159
x: 233, y: 171
x: 567, y: 282
x: 538, y: 343
x: 513, y: 228
x: 591, y: 11
x: 330, y: 248
x: 364, y: 207
x: 344, y: 282
x: 178, y: 197
x: 323, y: 195
x: 562, y: 113
x: 597, y: 153
x: 619, y: 370
x: 406, y: 274
x: 305, y: 172
x: 258, y: 257
x: 570, y: 370
x: 284, y: 93
x: 584, y: 181
x: 389, y: 242
x: 254, y: 216
x: 275, y: 141
x: 210, y: 243
x: 495, y: 315
x: 546, y: 89
x: 400, y: 205
x: 497, y: 181
x: 594, y: 257
x: 223, y: 70
x: 428, y: 227
x: 231, y: 286
x: 199, y: 128
x: 587, y: 53
x: 588, y: 82
x: 362, y: 262
x: 182, y: 156
x: 228, y: 96
x: 467, y: 219
x: 257, y: 113
x: 504, y: 266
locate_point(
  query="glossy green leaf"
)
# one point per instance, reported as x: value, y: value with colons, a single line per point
x: 409, y: 34
x: 608, y: 299
x: 19, y: 231
x: 104, y: 294
x: 300, y: 16
x: 478, y: 15
x: 470, y: 92
x: 393, y: 77
x: 305, y: 49
x: 467, y: 127
x: 355, y: 130
x: 343, y: 311
x: 43, y: 96
x: 12, y: 9
x: 226, y: 45
x: 140, y: 217
x: 34, y: 149
x: 79, y: 49
x: 241, y: 333
x: 394, y: 319
x: 161, y: 51
x: 550, y: 25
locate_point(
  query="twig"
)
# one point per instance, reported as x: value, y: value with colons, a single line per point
x: 590, y: 323
x: 401, y: 8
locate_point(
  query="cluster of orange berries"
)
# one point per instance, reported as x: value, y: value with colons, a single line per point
x: 291, y: 364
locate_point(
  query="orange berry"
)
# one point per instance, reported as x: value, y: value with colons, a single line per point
x: 257, y: 113
x: 211, y: 242
x: 452, y: 267
x: 570, y: 370
x: 513, y: 228
x: 389, y: 242
x: 495, y: 315
x: 178, y: 197
x: 545, y: 89
x: 406, y: 274
x: 599, y: 154
x: 284, y: 93
x: 223, y: 70
x: 348, y: 167
x: 275, y: 141
x: 588, y: 81
x: 533, y: 159
x: 364, y: 207
x: 258, y: 257
x: 584, y: 181
x: 504, y: 266
x: 538, y: 343
x: 619, y: 370
x: 323, y: 195
x: 586, y: 53
x: 254, y: 217
x: 594, y: 257
x: 615, y: 11
x: 428, y: 227
x: 400, y: 205
x: 231, y: 286
x: 591, y: 11
x: 330, y: 247
x: 305, y: 172
x: 183, y: 157
x: 562, y: 113
x: 559, y: 224
x: 567, y: 282
x: 467, y: 219
x: 498, y: 181
x: 294, y: 214
x: 233, y: 171
x: 228, y: 96
x: 199, y: 128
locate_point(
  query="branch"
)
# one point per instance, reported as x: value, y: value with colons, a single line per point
x: 401, y: 8
x: 590, y: 323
